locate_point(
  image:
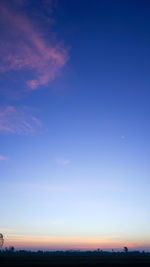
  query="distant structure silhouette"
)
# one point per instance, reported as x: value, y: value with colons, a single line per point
x: 1, y: 240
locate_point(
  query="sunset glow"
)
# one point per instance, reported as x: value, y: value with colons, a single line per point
x: 75, y: 124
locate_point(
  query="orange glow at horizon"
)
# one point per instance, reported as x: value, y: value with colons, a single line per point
x: 73, y: 242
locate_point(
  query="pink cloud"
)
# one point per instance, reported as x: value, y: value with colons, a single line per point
x: 18, y: 121
x: 25, y: 48
x: 62, y: 161
x: 3, y: 157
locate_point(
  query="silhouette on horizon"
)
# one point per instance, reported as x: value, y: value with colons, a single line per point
x: 1, y: 240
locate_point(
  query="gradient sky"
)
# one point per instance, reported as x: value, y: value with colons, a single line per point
x: 75, y: 124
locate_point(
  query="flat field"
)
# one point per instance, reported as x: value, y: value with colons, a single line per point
x: 24, y: 258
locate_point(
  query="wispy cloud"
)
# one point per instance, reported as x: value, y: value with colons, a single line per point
x: 3, y: 157
x: 18, y: 120
x: 25, y: 48
x: 62, y: 161
x: 37, y: 187
x: 45, y: 187
x: 57, y: 222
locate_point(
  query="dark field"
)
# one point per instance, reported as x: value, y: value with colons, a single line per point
x: 24, y: 258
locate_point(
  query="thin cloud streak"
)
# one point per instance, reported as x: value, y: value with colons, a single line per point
x: 62, y: 161
x: 18, y: 121
x: 24, y: 48
x: 36, y: 187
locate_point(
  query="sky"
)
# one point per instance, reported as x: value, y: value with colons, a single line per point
x: 75, y: 124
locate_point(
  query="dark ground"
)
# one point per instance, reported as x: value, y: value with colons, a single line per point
x: 24, y: 258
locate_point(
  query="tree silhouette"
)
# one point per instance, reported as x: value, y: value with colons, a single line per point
x: 125, y: 249
x: 1, y: 240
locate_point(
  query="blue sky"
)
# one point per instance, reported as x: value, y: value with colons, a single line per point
x: 74, y: 124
